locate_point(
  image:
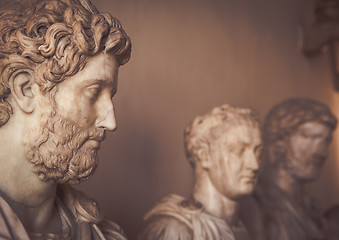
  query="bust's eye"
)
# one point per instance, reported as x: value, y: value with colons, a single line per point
x: 258, y: 150
x: 240, y: 150
x: 307, y: 134
x: 93, y: 91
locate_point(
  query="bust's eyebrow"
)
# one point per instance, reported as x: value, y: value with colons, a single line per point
x: 259, y: 146
x: 100, y: 81
x: 96, y: 80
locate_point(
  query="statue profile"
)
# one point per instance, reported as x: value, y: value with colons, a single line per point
x: 297, y: 134
x: 223, y: 148
x: 59, y: 62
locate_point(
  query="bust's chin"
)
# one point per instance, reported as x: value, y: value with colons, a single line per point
x: 79, y: 168
x: 306, y: 175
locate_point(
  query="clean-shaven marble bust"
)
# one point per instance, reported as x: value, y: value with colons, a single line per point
x: 223, y: 147
x: 59, y: 62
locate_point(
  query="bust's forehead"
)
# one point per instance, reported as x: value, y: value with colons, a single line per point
x: 314, y: 126
x: 99, y: 67
x: 225, y: 118
x: 242, y: 131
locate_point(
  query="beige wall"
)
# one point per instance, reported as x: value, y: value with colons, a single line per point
x: 189, y: 56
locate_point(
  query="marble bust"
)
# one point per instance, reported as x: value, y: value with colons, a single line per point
x: 297, y: 134
x: 223, y: 148
x: 59, y: 62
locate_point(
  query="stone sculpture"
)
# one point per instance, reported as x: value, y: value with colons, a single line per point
x: 322, y: 36
x: 59, y: 62
x: 297, y: 134
x: 332, y: 221
x: 223, y: 148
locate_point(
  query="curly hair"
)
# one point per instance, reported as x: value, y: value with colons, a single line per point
x: 204, y: 129
x: 53, y: 39
x: 285, y: 118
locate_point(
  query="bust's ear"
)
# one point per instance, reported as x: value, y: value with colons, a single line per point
x: 20, y: 85
x: 277, y: 149
x: 204, y: 157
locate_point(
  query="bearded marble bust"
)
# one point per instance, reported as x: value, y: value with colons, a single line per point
x: 223, y: 148
x: 297, y: 133
x: 59, y: 62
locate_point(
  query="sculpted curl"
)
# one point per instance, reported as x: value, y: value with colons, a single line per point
x: 54, y: 40
x: 206, y: 128
x: 285, y: 118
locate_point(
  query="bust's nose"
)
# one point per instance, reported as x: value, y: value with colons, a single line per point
x: 106, y: 115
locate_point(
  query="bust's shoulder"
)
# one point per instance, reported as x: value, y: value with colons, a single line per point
x: 79, y: 204
x: 165, y: 227
x: 168, y: 219
x: 175, y: 217
x: 110, y: 230
x: 83, y: 209
x: 175, y: 207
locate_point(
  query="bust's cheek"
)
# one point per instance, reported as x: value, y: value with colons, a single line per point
x: 83, y: 112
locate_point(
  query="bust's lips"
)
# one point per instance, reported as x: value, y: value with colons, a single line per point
x: 250, y: 177
x: 98, y: 138
x: 92, y: 143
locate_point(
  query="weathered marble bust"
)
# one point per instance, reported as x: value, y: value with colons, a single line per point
x: 332, y: 221
x: 297, y: 134
x: 223, y: 148
x: 59, y: 62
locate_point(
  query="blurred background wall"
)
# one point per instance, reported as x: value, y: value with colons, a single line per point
x: 189, y: 56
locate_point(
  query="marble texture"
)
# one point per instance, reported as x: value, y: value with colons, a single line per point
x: 322, y: 36
x: 297, y: 134
x: 223, y: 147
x: 59, y: 67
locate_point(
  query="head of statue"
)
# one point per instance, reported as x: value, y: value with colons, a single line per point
x: 297, y: 133
x: 327, y: 10
x: 59, y: 62
x: 226, y: 144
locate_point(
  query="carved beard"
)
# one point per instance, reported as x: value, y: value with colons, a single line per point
x: 58, y: 153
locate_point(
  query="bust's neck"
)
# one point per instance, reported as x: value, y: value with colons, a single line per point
x: 290, y: 186
x: 213, y: 201
x: 42, y: 217
x: 30, y: 198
